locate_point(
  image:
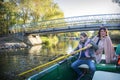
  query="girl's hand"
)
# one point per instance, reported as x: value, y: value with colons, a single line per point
x: 99, y: 51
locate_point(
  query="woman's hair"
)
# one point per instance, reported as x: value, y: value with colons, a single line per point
x: 83, y: 34
x: 102, y: 28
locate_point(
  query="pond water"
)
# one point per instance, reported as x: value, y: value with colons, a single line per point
x: 14, y: 62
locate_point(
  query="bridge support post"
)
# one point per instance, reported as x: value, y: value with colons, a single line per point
x: 34, y: 40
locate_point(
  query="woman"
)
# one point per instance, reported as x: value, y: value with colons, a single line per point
x: 85, y: 56
x: 104, y: 46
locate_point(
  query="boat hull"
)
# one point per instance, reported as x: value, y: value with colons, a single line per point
x: 63, y: 71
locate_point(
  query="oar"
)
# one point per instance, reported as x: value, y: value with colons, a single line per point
x: 50, y: 63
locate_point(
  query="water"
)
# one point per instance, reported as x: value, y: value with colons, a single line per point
x: 14, y: 62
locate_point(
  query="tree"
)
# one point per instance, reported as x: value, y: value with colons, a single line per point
x: 28, y: 11
x: 42, y: 9
x: 34, y: 11
x: 6, y: 18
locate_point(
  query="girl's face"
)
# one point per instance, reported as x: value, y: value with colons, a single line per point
x: 82, y: 38
x: 103, y: 33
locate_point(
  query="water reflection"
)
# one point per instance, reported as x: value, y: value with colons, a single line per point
x: 15, y: 61
x: 35, y: 50
x: 70, y: 49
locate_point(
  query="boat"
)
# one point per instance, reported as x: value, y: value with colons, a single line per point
x: 62, y: 70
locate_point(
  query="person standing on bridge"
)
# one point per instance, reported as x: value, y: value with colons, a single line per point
x: 104, y: 46
x: 85, y: 56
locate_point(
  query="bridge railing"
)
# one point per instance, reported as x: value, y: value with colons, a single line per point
x: 71, y: 21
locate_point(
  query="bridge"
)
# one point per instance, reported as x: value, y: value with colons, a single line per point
x: 70, y: 24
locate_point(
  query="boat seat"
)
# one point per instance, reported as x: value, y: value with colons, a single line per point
x: 103, y: 75
x: 85, y: 66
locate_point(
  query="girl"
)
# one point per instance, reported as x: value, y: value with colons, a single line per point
x: 104, y: 46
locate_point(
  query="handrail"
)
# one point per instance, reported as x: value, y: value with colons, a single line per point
x: 64, y: 22
x: 50, y: 63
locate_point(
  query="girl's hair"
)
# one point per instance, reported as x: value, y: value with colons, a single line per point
x: 102, y: 28
x: 83, y: 34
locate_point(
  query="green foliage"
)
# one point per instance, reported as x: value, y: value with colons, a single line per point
x: 27, y: 11
x: 6, y: 16
x: 115, y: 35
x: 50, y: 41
x: 42, y: 9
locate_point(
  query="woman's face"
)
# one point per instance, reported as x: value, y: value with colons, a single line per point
x: 103, y: 33
x: 82, y: 38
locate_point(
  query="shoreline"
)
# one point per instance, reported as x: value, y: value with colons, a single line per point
x: 10, y: 42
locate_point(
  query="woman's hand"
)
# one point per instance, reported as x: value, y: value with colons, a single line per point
x: 99, y: 51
